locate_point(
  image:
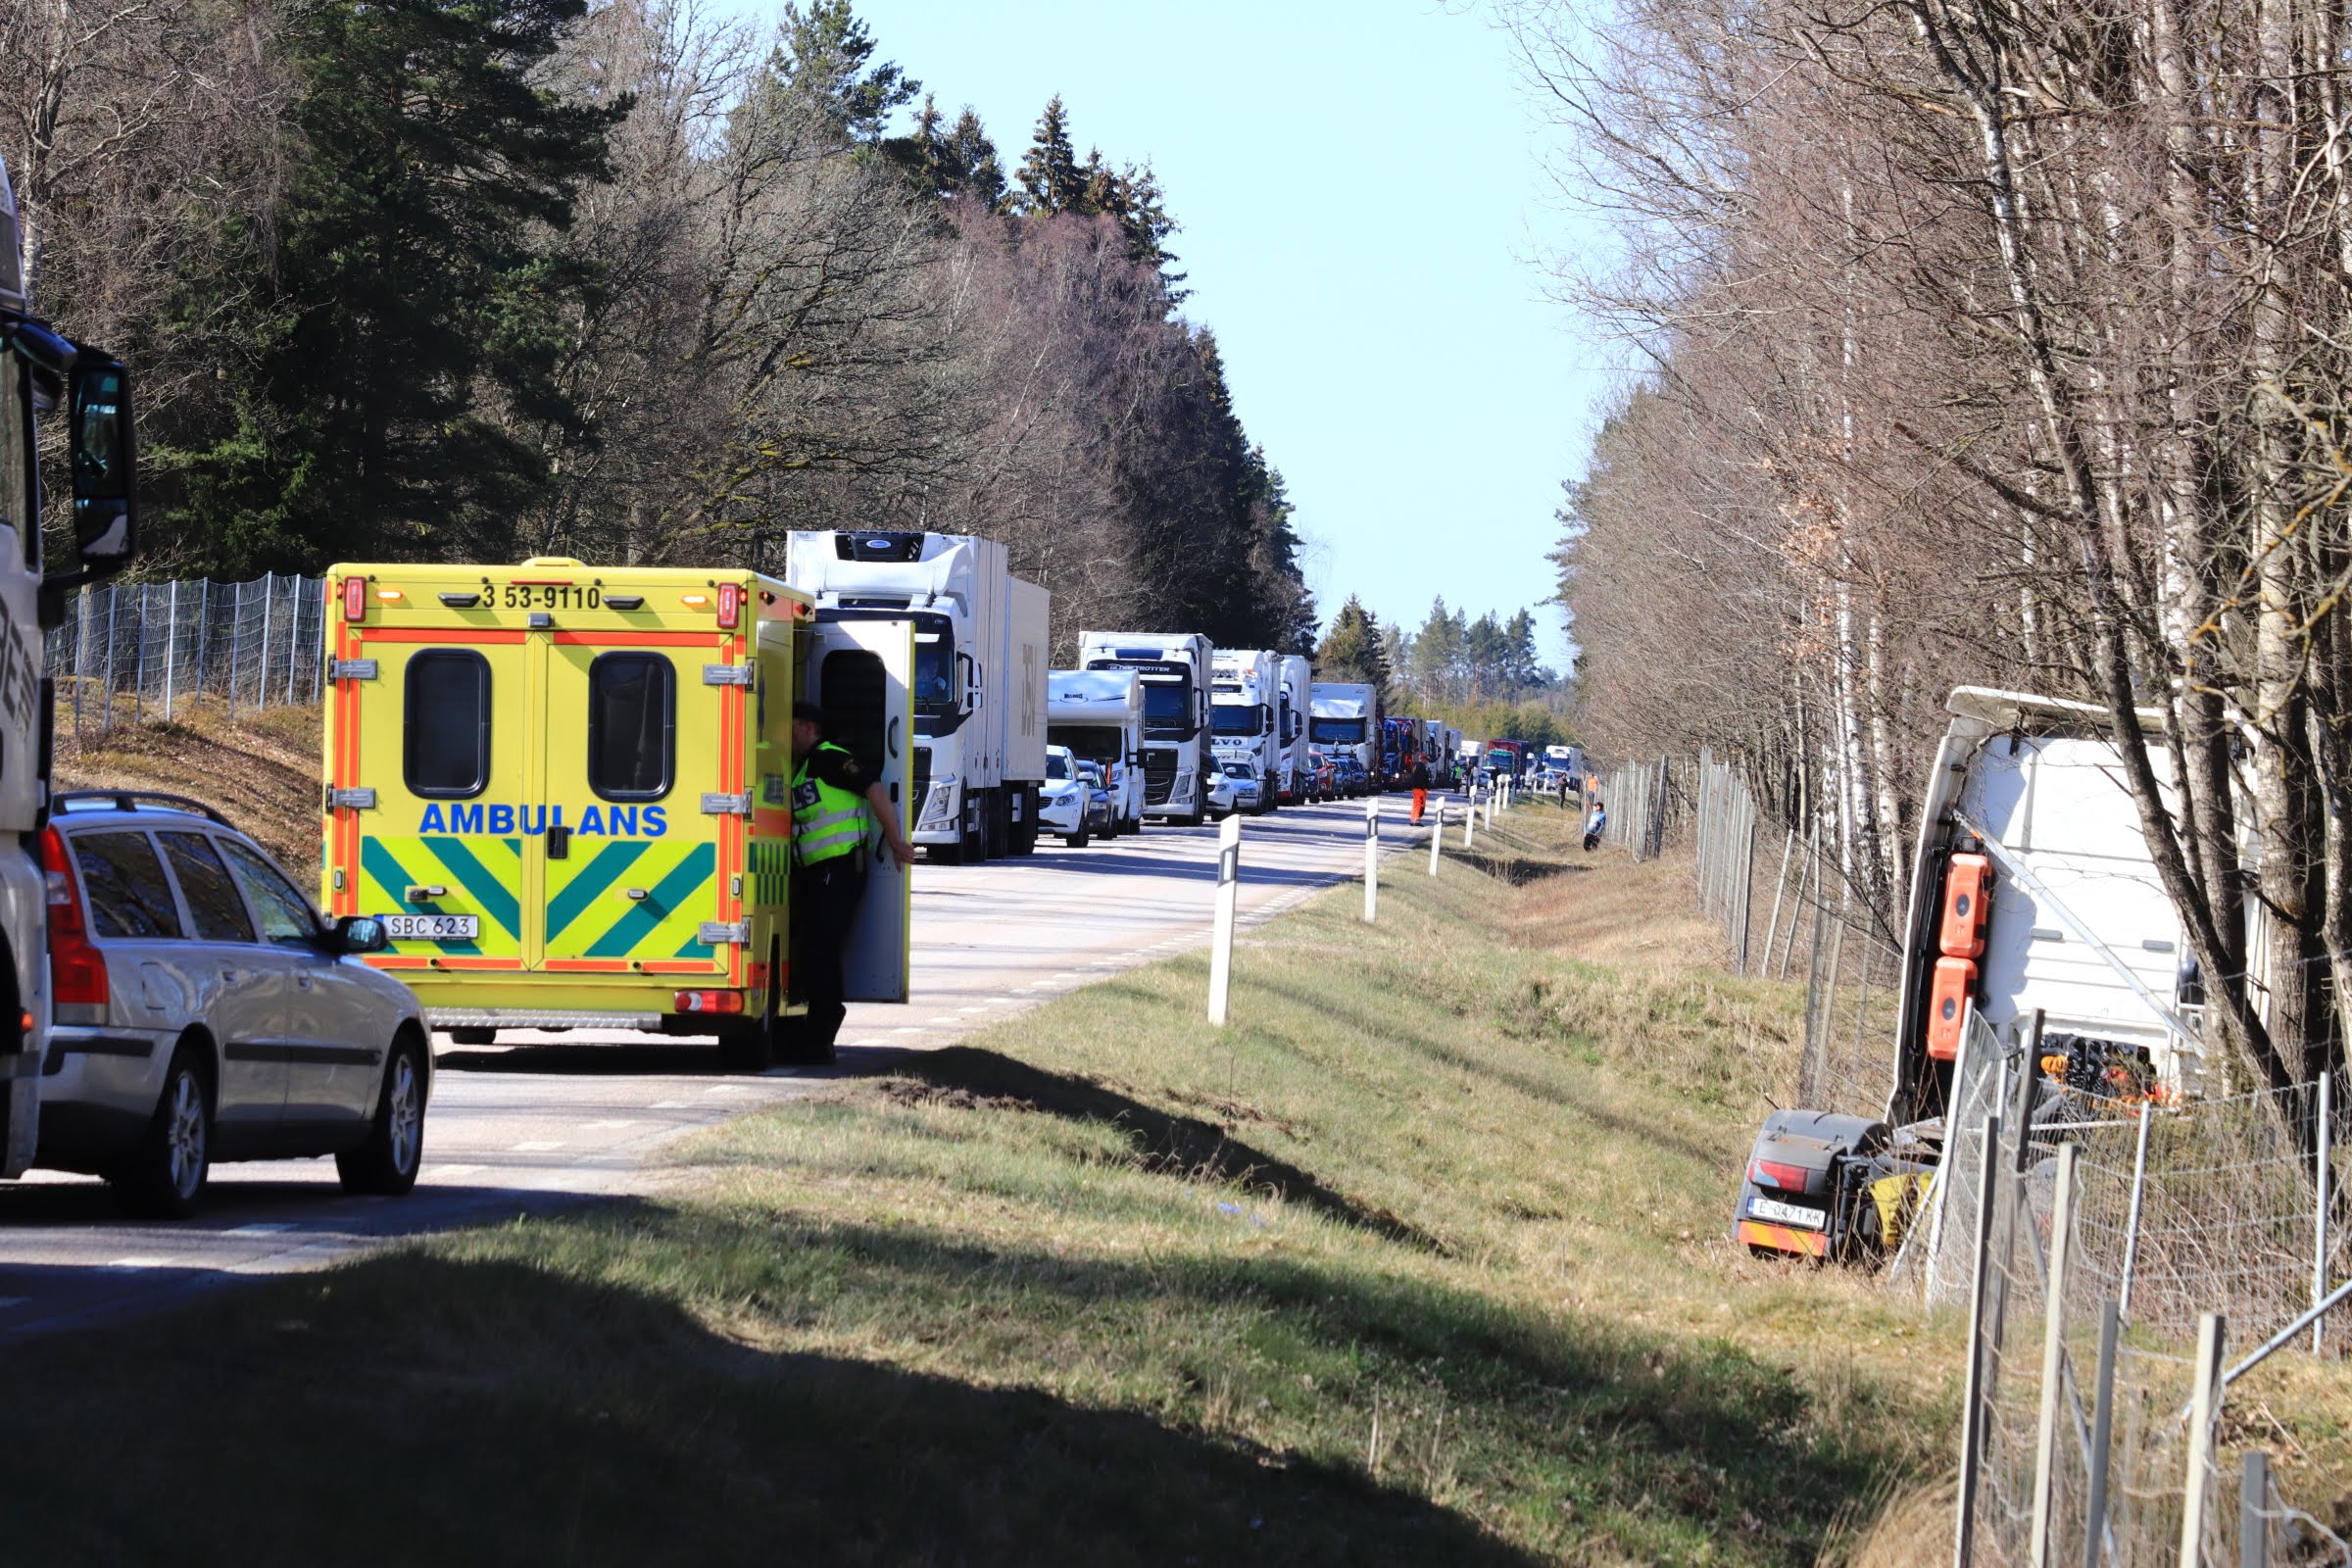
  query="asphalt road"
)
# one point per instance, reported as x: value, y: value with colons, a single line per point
x: 524, y: 1127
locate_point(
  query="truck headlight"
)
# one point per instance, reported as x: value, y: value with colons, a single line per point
x: 939, y: 806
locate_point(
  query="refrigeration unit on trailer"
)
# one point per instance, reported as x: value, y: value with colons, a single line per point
x: 42, y: 371
x: 1245, y: 707
x: 980, y: 673
x: 2032, y: 888
x: 1175, y: 669
x: 1298, y: 676
x: 1099, y: 715
x: 1343, y: 719
x: 566, y: 790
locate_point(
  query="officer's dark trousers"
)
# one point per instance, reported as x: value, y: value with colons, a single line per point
x: 824, y: 902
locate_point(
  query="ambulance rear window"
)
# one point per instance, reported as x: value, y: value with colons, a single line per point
x: 446, y: 751
x: 632, y: 725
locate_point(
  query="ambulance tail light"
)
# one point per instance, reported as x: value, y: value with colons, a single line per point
x: 354, y: 599
x: 730, y: 605
x: 707, y: 1002
x: 76, y: 970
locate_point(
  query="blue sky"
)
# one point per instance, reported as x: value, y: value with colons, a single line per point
x: 1359, y: 189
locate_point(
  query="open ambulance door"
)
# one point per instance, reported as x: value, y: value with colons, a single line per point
x: 861, y: 673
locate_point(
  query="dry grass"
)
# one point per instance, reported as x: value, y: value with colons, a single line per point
x: 260, y: 771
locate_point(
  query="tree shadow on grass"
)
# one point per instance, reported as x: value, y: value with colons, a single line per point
x: 414, y: 1408
x: 1167, y: 1144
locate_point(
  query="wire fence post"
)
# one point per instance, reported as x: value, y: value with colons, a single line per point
x: 2253, y: 1511
x: 261, y: 687
x: 2194, y: 1491
x: 2053, y: 1350
x: 114, y: 591
x: 2140, y: 1187
x: 293, y: 634
x: 171, y: 647
x: 2319, y: 1215
x: 1971, y: 1411
x: 138, y: 663
x: 2102, y: 1435
x: 1779, y: 890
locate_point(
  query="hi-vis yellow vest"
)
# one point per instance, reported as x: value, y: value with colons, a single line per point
x: 826, y: 822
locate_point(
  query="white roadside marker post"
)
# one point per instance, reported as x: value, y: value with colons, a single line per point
x: 1469, y: 819
x: 1229, y: 891
x: 1372, y: 859
x: 1436, y: 838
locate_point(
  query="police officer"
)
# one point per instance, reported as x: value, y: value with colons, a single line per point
x: 834, y: 802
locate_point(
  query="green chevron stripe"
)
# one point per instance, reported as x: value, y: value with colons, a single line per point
x: 498, y: 901
x: 380, y: 863
x: 650, y: 911
x: 592, y: 882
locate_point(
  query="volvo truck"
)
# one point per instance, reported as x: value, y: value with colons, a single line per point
x: 979, y: 677
x: 1099, y: 715
x: 1345, y: 721
x: 2032, y: 893
x: 41, y: 373
x: 1175, y: 669
x: 1245, y: 707
x: 1298, y: 676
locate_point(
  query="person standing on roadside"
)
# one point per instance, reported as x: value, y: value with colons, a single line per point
x: 836, y: 804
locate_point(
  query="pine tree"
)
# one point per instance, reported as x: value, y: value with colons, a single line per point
x: 1437, y: 654
x: 1050, y: 177
x: 410, y: 292
x: 824, y: 58
x: 1352, y: 651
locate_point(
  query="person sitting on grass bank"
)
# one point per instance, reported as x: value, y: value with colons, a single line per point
x: 1595, y: 821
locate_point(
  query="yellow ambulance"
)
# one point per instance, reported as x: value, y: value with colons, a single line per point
x: 566, y: 790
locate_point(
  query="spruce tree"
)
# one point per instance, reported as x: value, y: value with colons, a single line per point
x: 1050, y: 177
x: 1352, y: 650
x: 825, y: 58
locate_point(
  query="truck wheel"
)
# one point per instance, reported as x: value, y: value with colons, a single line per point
x: 386, y: 1165
x: 165, y: 1174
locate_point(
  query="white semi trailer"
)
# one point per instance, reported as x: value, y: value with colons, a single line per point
x: 1099, y: 715
x: 1346, y: 720
x: 979, y: 674
x: 41, y: 371
x: 1298, y: 676
x: 1245, y: 710
x: 1175, y: 670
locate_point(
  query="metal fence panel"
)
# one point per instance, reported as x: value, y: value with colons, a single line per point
x: 134, y: 653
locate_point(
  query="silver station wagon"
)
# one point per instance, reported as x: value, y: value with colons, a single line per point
x: 202, y: 1011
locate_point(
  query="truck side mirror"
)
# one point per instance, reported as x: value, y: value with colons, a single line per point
x: 105, y: 460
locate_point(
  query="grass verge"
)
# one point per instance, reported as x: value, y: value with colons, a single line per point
x: 1422, y: 1260
x: 259, y: 770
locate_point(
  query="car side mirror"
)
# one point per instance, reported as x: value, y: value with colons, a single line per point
x: 362, y: 933
x: 105, y: 463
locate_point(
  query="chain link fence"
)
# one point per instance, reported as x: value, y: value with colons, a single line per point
x: 137, y: 653
x: 2107, y: 1252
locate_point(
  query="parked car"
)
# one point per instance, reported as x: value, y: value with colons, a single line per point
x: 1353, y: 781
x: 1220, y: 791
x: 1322, y: 778
x: 203, y: 1011
x: 1062, y: 799
x: 1249, y: 790
x: 1101, y: 808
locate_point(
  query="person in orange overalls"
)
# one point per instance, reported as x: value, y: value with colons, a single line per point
x: 1420, y: 801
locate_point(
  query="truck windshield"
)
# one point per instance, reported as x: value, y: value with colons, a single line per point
x: 1336, y: 731
x: 1168, y: 708
x: 1097, y: 743
x: 1234, y: 718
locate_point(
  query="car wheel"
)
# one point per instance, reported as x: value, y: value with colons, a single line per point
x: 1077, y: 840
x: 165, y: 1174
x: 386, y: 1165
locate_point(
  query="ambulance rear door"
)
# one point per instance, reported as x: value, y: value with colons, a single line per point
x: 860, y: 672
x: 431, y: 759
x: 647, y: 813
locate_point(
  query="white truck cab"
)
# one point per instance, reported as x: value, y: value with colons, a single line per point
x: 1244, y: 706
x: 41, y: 371
x: 1175, y: 670
x: 1099, y: 715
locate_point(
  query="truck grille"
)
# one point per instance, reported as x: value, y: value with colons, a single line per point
x: 1160, y: 777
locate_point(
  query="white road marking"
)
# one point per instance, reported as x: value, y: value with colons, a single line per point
x: 260, y: 1228
x: 453, y: 1170
x: 673, y: 1105
x: 608, y: 1122
x: 538, y: 1146
x: 132, y: 1265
